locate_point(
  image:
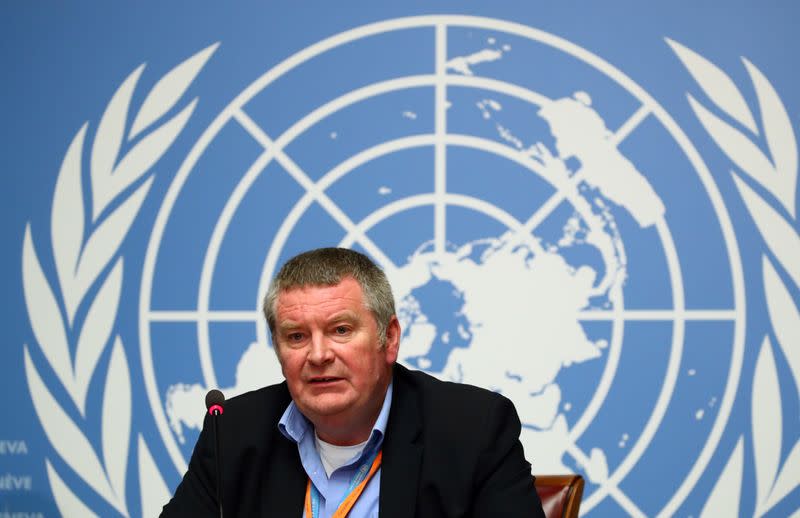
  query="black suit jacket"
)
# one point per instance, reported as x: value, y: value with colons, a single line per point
x: 450, y: 450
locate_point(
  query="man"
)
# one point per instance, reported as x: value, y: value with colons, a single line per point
x: 349, y: 429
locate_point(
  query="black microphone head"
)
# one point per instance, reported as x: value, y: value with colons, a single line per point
x: 214, y: 398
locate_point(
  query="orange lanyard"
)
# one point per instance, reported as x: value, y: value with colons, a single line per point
x: 350, y: 499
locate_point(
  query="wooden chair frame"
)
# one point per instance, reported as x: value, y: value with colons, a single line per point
x: 574, y: 484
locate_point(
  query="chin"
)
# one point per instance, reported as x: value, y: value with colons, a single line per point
x: 329, y: 408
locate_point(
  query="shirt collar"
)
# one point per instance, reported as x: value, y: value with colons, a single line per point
x: 294, y: 425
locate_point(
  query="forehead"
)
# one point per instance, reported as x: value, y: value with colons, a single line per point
x: 320, y: 300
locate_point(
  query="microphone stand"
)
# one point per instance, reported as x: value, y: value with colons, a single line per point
x: 215, y: 412
x: 214, y: 401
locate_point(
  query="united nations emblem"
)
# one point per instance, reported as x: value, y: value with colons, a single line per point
x: 551, y: 233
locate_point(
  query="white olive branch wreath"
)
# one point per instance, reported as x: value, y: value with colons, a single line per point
x: 77, y: 312
x: 762, y: 179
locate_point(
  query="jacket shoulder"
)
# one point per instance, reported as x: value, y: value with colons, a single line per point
x: 257, y: 408
x: 434, y: 388
x: 265, y: 395
x: 452, y: 404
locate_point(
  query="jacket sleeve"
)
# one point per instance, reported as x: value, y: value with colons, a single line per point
x: 504, y: 484
x: 195, y: 496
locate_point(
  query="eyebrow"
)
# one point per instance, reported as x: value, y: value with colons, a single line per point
x: 288, y: 325
x: 345, y: 315
x: 351, y: 316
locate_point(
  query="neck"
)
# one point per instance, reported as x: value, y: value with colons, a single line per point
x: 348, y: 439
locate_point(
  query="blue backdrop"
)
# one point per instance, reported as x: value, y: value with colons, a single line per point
x: 589, y: 207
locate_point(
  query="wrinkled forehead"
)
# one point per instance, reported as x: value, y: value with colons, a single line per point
x: 347, y: 292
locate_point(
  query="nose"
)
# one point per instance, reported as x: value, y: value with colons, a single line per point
x: 320, y: 352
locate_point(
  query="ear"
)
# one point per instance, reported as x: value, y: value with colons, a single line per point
x: 392, y: 340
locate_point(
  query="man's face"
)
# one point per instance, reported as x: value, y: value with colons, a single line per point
x: 330, y: 354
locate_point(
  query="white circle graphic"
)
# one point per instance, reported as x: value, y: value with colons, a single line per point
x: 563, y: 189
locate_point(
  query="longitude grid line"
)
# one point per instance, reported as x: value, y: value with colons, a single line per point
x: 547, y: 208
x: 630, y: 125
x: 625, y: 502
x: 620, y: 496
x: 536, y: 218
x: 544, y: 210
x: 300, y: 176
x: 440, y: 150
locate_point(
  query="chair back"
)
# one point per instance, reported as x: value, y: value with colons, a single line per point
x: 560, y: 494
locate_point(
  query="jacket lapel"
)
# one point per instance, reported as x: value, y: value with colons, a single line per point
x: 286, y: 497
x: 284, y: 488
x: 402, y: 452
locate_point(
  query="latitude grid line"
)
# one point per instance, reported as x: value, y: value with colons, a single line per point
x: 658, y: 315
x: 630, y: 315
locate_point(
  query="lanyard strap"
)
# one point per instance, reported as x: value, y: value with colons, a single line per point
x: 357, y: 485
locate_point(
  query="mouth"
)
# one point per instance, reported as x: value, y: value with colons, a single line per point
x: 322, y: 380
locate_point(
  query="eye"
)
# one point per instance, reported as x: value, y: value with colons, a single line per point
x: 342, y: 330
x: 294, y: 337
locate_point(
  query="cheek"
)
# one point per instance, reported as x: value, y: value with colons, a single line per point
x: 290, y: 364
x: 369, y: 368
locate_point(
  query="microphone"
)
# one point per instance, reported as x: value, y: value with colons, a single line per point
x: 214, y: 403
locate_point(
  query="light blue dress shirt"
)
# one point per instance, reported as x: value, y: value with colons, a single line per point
x: 333, y: 490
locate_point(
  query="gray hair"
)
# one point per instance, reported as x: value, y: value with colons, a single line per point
x: 328, y: 267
